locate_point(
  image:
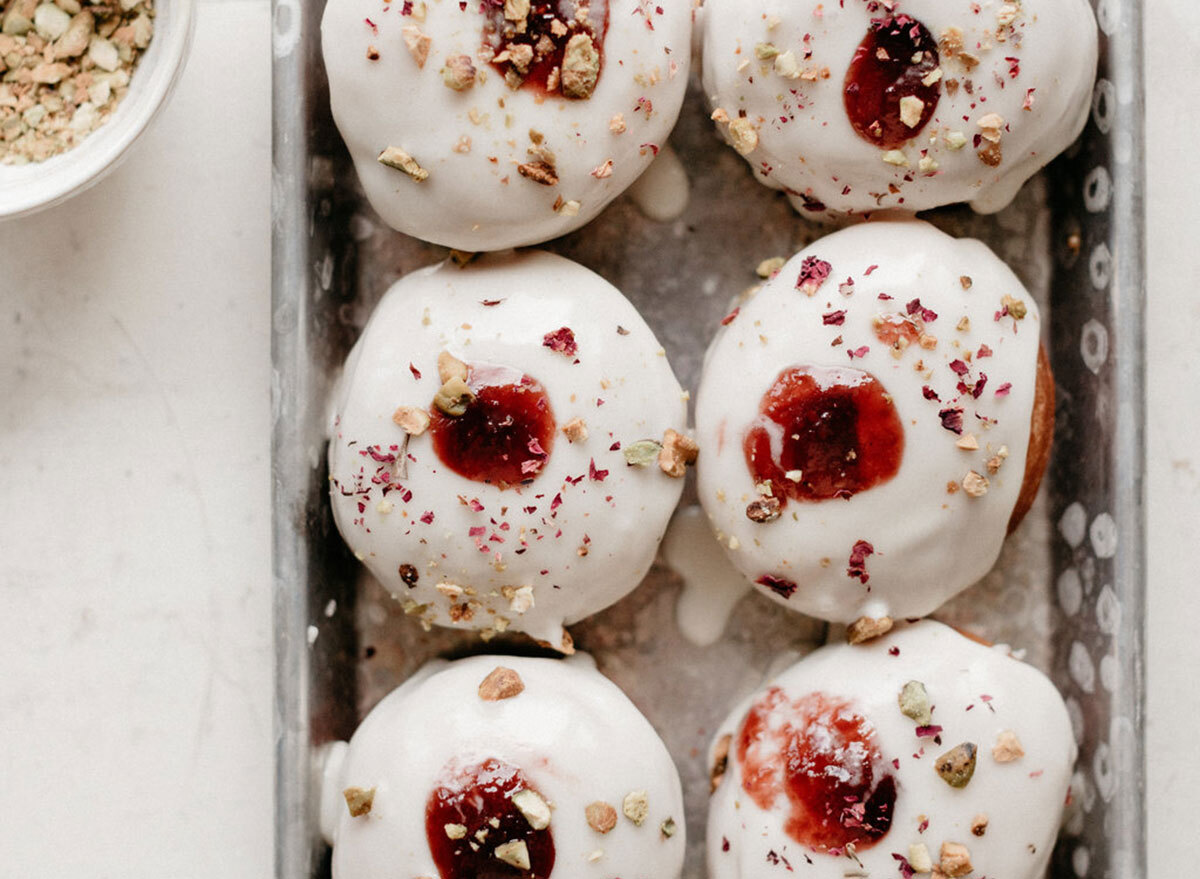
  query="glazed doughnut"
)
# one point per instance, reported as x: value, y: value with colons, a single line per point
x: 484, y: 126
x: 866, y: 420
x: 504, y: 766
x: 506, y: 445
x: 923, y: 752
x: 863, y: 105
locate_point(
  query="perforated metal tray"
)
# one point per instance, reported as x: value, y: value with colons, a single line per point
x: 1068, y: 589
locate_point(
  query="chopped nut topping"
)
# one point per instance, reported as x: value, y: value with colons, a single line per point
x: 408, y: 573
x: 966, y: 282
x: 601, y: 817
x: 459, y: 72
x: 911, y: 109
x: 968, y: 443
x: 533, y: 807
x: 956, y: 859
x: 1007, y: 748
x: 744, y: 135
x: 643, y: 453
x: 359, y: 800
x: 575, y: 430
x: 895, y: 157
x: 914, y: 703
x: 991, y: 155
x: 919, y: 858
x: 975, y: 484
x: 787, y: 66
x: 769, y: 267
x: 539, y: 172
x: 455, y: 831
x: 765, y: 509
x: 1016, y: 307
x: 720, y: 762
x: 450, y: 367
x: 765, y: 51
x: 514, y: 853
x: 979, y: 824
x: 667, y: 828
x: 411, y: 420
x: 503, y: 683
x: 516, y: 10
x: 418, y: 43
x: 678, y: 451
x: 955, y: 140
x: 636, y: 806
x: 617, y: 124
x: 957, y: 766
x: 866, y: 629
x: 453, y: 397
x: 394, y: 157
x: 580, y: 67
x: 991, y: 127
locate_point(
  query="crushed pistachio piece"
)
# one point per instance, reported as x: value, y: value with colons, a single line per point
x: 411, y: 420
x: 678, y: 451
x: 394, y: 157
x: 866, y: 629
x: 1007, y: 748
x: 601, y: 817
x: 744, y: 135
x: 418, y: 43
x: 502, y: 683
x: 787, y: 66
x: 455, y: 831
x: 956, y: 859
x: 765, y: 51
x: 643, y: 453
x: 514, y: 853
x: 768, y: 267
x: 450, y: 367
x: 720, y: 762
x: 453, y: 397
x: 914, y: 703
x: 575, y: 430
x: 911, y: 109
x: 957, y: 766
x: 458, y: 72
x: 636, y: 806
x: 530, y: 804
x: 580, y: 67
x: 764, y: 509
x: 1016, y: 307
x: 955, y: 140
x: 919, y: 858
x: 359, y: 800
x: 975, y: 484
x: 668, y: 828
x: 895, y: 157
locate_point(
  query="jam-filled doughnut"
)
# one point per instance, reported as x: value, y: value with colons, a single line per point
x: 488, y: 125
x: 874, y: 422
x: 507, y: 445
x: 922, y: 753
x: 863, y: 105
x: 496, y: 767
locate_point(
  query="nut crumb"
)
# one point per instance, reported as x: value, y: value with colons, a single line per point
x: 394, y: 157
x: 459, y: 72
x: 359, y: 800
x: 720, y: 762
x: 975, y: 484
x: 418, y: 43
x: 866, y: 629
x: 636, y: 806
x: 575, y: 430
x: 1007, y: 748
x: 502, y: 683
x: 979, y: 824
x: 968, y: 443
x: 535, y: 809
x: 411, y: 420
x: 765, y: 509
x: 601, y: 817
x: 678, y: 451
x: 744, y: 135
x: 956, y: 859
x: 580, y: 67
x: 514, y: 853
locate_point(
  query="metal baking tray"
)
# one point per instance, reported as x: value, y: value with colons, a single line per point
x: 1068, y: 591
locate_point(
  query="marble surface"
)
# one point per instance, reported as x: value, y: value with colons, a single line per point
x: 135, y: 642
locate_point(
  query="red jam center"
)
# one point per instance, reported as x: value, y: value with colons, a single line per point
x: 476, y: 805
x: 530, y: 52
x: 892, y: 63
x: 506, y: 434
x: 821, y: 758
x: 824, y: 433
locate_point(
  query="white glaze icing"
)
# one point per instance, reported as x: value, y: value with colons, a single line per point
x: 712, y: 586
x: 662, y: 193
x: 928, y: 543
x: 1023, y: 799
x: 476, y: 199
x: 572, y: 732
x: 807, y: 145
x: 569, y: 509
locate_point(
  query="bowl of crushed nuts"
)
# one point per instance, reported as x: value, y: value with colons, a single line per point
x: 79, y: 81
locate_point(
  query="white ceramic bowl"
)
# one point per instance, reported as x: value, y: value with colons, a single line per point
x: 28, y: 188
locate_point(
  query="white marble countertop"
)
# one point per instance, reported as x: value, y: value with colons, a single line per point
x: 136, y: 639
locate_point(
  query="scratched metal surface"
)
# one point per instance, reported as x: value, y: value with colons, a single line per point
x: 1068, y: 590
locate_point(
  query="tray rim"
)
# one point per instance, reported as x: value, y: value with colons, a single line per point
x: 294, y: 215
